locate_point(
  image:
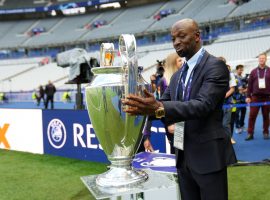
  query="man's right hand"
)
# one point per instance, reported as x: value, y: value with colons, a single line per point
x: 138, y: 105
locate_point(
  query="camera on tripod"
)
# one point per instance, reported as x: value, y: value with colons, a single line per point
x: 80, y: 64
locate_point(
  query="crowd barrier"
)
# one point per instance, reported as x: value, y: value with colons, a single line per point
x: 241, y: 105
x: 66, y: 133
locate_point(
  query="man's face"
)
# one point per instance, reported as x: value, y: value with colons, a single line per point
x: 185, y: 40
x: 262, y: 60
x: 239, y: 71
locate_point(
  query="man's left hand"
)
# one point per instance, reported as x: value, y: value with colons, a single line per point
x: 137, y: 105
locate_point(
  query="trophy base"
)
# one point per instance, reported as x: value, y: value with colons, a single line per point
x: 118, y: 177
x: 157, y: 186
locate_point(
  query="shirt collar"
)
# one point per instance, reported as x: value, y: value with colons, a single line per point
x: 193, y: 60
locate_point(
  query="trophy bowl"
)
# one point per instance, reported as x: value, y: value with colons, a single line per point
x: 118, y: 133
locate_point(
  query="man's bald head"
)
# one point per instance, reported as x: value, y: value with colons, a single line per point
x: 186, y: 37
x: 188, y: 24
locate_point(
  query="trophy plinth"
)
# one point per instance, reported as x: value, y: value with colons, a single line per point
x: 118, y: 133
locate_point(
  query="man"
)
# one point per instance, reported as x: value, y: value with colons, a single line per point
x: 227, y: 112
x: 240, y: 97
x: 194, y: 103
x: 259, y: 91
x: 40, y: 95
x: 155, y: 80
x: 49, y: 91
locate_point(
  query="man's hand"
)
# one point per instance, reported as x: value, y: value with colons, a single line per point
x: 137, y: 105
x: 148, y: 146
x: 248, y: 100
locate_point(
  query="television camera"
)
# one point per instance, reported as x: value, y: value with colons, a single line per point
x: 80, y: 64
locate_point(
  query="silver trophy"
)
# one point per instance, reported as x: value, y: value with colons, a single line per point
x: 118, y: 133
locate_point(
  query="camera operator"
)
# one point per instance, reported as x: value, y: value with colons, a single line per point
x: 240, y: 97
x: 156, y: 83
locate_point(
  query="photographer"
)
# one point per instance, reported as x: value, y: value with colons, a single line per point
x: 240, y: 97
x: 155, y: 88
x: 157, y: 85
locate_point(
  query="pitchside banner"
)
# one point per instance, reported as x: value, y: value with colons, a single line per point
x: 21, y: 130
x: 69, y: 133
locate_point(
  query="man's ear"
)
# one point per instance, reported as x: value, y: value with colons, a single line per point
x: 198, y: 36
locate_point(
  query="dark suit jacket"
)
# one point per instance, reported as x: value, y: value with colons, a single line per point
x: 207, y: 147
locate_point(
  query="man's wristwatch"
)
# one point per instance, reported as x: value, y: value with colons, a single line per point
x: 160, y: 112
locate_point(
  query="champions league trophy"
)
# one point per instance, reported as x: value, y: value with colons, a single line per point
x: 118, y: 133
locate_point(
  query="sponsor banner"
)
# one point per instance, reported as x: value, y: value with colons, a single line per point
x: 69, y: 133
x: 21, y: 130
x: 156, y: 161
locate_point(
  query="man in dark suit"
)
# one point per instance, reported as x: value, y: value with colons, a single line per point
x: 49, y: 91
x: 193, y: 101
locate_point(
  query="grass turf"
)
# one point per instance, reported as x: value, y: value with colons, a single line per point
x: 25, y: 176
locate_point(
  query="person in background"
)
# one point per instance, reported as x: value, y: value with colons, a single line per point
x: 66, y: 97
x: 172, y: 64
x: 40, y: 95
x: 49, y: 91
x: 3, y: 98
x: 193, y: 102
x: 155, y: 79
x: 240, y: 97
x: 35, y: 95
x: 227, y: 112
x: 156, y: 90
x: 259, y: 91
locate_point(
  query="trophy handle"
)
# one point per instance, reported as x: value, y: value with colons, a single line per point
x: 127, y: 49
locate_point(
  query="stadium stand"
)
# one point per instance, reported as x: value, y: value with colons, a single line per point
x: 243, y: 35
x: 227, y: 34
x: 16, y: 34
x: 216, y: 10
x: 13, y: 4
x: 251, y: 7
x: 78, y: 28
x: 64, y: 30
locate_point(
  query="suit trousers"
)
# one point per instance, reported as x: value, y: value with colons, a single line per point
x: 49, y: 98
x: 254, y: 110
x: 194, y: 186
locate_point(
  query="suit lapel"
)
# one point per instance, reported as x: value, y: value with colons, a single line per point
x: 178, y: 86
x: 195, y: 76
x: 198, y: 69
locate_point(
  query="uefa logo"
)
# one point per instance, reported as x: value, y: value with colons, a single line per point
x: 57, y: 134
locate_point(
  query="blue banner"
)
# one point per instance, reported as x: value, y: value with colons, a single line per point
x: 69, y: 133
